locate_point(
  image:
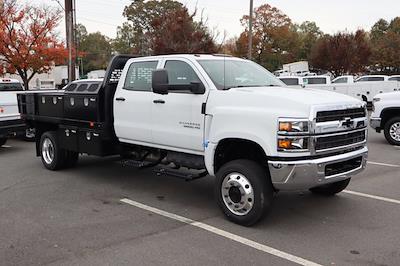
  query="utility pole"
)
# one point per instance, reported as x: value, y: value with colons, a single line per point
x: 250, y: 30
x: 70, y: 30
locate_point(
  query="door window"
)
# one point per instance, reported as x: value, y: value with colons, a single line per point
x: 314, y: 81
x: 139, y: 75
x: 11, y: 87
x: 180, y: 73
x: 340, y: 80
x: 290, y: 81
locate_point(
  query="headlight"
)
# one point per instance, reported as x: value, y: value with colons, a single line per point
x: 293, y: 134
x: 293, y: 144
x: 293, y: 126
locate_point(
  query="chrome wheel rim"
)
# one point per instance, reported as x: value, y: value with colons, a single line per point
x: 48, y: 151
x: 237, y: 194
x: 394, y: 131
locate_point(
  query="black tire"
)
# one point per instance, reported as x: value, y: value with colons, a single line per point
x: 29, y: 135
x: 56, y: 160
x: 260, y: 182
x: 71, y: 159
x: 2, y: 141
x: 331, y: 189
x: 388, y: 125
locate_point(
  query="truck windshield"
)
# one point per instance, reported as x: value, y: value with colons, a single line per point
x: 11, y: 87
x: 228, y: 74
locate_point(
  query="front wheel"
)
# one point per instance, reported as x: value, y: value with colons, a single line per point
x: 331, y: 189
x: 392, y: 131
x: 244, y: 191
x: 2, y: 141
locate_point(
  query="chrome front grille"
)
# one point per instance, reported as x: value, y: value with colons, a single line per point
x: 342, y: 140
x: 338, y: 115
x: 339, y: 129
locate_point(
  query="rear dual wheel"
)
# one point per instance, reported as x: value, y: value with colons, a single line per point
x: 53, y: 156
x: 244, y: 191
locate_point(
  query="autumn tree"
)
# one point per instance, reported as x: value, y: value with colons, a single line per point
x: 385, y: 42
x: 135, y: 35
x: 166, y: 26
x: 28, y: 43
x: 342, y: 53
x: 275, y: 40
x: 177, y: 32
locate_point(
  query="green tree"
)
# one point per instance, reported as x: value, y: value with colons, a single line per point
x: 385, y: 42
x: 309, y: 33
x: 125, y: 42
x: 96, y: 50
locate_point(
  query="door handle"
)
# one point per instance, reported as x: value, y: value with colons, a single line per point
x: 121, y: 99
x: 159, y: 101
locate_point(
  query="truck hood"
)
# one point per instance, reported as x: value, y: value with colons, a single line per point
x: 283, y: 101
x: 389, y: 96
x: 303, y: 96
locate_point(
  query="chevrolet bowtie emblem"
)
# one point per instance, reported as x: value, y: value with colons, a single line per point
x: 347, y: 122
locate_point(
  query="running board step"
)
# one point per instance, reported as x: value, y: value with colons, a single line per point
x: 138, y: 164
x: 180, y: 174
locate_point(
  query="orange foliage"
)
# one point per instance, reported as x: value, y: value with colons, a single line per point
x: 28, y: 44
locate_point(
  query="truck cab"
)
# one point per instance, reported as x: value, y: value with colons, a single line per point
x: 10, y: 120
x: 386, y: 116
x: 217, y: 115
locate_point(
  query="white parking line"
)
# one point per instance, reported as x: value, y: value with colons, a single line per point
x: 371, y: 196
x: 223, y: 233
x: 385, y: 164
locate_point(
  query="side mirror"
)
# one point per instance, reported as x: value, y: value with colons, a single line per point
x: 364, y: 98
x: 159, y: 81
x: 196, y: 87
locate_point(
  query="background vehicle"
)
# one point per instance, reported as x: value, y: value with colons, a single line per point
x: 394, y: 78
x: 370, y: 78
x: 212, y: 114
x: 10, y: 121
x: 364, y: 88
x: 386, y: 116
x: 343, y: 79
x: 316, y: 80
x: 292, y: 80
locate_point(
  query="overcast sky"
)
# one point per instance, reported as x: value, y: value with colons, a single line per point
x: 224, y: 15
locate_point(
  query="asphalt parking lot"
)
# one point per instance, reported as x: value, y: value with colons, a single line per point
x: 82, y: 216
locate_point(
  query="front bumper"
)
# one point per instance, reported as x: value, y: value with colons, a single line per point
x: 306, y: 174
x: 12, y: 127
x: 375, y: 122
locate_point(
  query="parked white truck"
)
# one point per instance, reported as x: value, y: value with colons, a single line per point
x: 386, y: 116
x: 364, y: 88
x: 10, y: 120
x: 216, y: 115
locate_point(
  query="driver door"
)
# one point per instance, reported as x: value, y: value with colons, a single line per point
x: 178, y: 122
